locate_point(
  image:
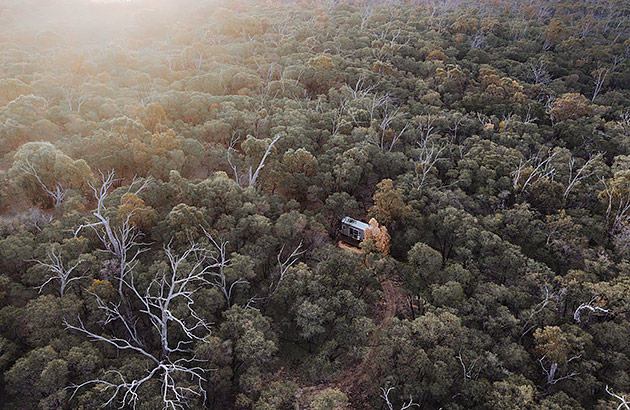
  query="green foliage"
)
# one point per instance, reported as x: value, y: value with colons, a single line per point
x: 40, y: 164
x: 491, y: 140
x: 277, y: 396
x: 331, y: 399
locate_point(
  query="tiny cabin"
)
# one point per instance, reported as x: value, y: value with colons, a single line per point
x: 353, y: 229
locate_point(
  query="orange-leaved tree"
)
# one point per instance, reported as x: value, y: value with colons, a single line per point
x: 377, y: 238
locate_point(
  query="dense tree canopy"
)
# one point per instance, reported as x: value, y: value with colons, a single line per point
x: 174, y: 174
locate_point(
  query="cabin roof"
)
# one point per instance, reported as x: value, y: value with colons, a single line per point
x: 355, y: 224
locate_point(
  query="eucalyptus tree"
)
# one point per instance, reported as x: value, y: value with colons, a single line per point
x: 45, y: 173
x: 119, y: 236
x: 166, y: 345
x: 60, y: 272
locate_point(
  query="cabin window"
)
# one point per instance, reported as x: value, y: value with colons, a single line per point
x: 354, y: 233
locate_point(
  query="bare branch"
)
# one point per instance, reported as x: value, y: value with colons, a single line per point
x: 539, y: 71
x: 625, y: 404
x: 618, y: 206
x: 252, y: 176
x: 366, y: 12
x: 478, y: 41
x: 430, y: 153
x: 578, y: 175
x: 359, y: 90
x: 60, y: 273
x: 283, y: 267
x: 471, y: 371
x: 547, y: 298
x: 337, y: 120
x: 57, y: 193
x: 122, y: 239
x: 541, y: 168
x: 381, y: 117
x: 233, y: 142
x: 166, y: 303
x: 591, y: 307
x: 551, y: 372
x: 624, y: 122
x: 220, y: 262
x: 390, y: 406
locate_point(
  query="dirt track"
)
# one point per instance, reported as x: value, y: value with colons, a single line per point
x: 361, y: 381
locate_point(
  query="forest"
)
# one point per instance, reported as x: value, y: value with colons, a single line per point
x: 173, y: 176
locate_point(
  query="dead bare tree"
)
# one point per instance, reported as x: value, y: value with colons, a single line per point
x: 191, y: 58
x: 539, y: 168
x: 220, y: 262
x: 65, y: 275
x: 618, y: 205
x: 390, y: 41
x: 548, y: 102
x: 544, y: 11
x: 366, y: 12
x: 283, y: 266
x: 550, y: 373
x: 472, y: 370
x: 591, y: 307
x: 507, y: 120
x: 232, y: 147
x: 381, y: 115
x: 390, y: 406
x: 70, y: 91
x: 548, y: 298
x: 619, y: 30
x: 584, y: 26
x: 437, y: 11
x: 430, y: 154
x: 539, y: 71
x: 599, y: 76
x: 360, y: 89
x: 601, y: 73
x: 517, y: 29
x: 624, y: 122
x: 252, y: 175
x: 268, y: 72
x: 484, y: 119
x: 32, y: 220
x: 281, y: 31
x: 372, y: 107
x: 296, y: 81
x: 58, y: 193
x: 453, y: 132
x: 395, y: 137
x: 329, y: 5
x: 625, y: 404
x: 478, y: 41
x: 529, y: 119
x: 425, y: 126
x: 578, y: 174
x: 145, y: 92
x: 338, y: 120
x: 167, y: 303
x: 121, y: 239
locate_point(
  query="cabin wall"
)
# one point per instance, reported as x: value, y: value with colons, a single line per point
x: 361, y: 234
x: 346, y: 230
